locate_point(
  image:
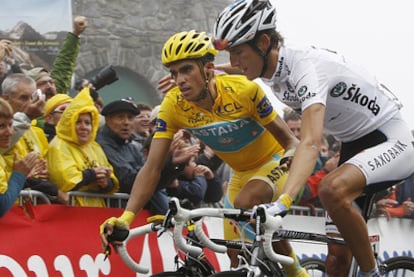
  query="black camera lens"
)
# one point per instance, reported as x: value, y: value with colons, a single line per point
x: 105, y: 76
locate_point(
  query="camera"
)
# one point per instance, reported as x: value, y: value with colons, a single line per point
x: 38, y: 94
x: 105, y: 76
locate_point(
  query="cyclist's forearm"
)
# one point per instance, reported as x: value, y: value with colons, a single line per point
x: 301, y: 168
x: 142, y: 189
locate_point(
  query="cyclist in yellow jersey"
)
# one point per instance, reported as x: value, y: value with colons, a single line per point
x: 230, y: 114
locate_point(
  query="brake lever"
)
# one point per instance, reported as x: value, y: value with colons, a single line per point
x: 166, y: 224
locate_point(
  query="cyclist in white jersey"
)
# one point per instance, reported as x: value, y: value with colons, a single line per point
x: 335, y: 96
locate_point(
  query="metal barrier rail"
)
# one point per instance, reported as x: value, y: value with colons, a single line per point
x: 111, y: 200
x: 306, y: 210
x: 37, y: 197
x: 116, y: 200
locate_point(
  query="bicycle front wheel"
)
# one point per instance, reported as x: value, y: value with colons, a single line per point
x: 314, y: 266
x: 398, y: 267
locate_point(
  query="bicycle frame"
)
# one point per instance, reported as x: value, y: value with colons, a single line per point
x: 262, y: 247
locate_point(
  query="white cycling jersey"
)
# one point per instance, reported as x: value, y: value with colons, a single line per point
x: 356, y: 103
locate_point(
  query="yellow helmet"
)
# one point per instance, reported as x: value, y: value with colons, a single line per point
x: 187, y: 45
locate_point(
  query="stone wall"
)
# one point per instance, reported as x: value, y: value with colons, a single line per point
x: 131, y: 33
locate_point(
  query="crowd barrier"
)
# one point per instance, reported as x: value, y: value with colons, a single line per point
x: 117, y: 200
x: 36, y: 197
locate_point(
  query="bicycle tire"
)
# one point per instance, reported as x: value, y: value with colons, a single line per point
x: 230, y: 274
x: 185, y: 271
x: 399, y: 266
x: 314, y: 266
x: 169, y: 274
x: 242, y: 273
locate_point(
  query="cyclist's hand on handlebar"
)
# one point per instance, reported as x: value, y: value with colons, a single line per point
x: 287, y: 158
x: 115, y: 229
x: 280, y: 207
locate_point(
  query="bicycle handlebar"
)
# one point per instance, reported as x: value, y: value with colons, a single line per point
x: 138, y: 231
x: 205, y: 240
x: 270, y: 223
x: 181, y: 216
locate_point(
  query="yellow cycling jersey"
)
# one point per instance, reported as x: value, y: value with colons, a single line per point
x: 233, y: 128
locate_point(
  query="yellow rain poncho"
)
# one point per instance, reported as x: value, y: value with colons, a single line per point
x: 67, y: 158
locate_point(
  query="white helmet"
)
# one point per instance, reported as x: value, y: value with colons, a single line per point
x: 239, y: 22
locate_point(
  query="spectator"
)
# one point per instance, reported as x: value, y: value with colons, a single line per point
x: 195, y: 182
x: 18, y: 89
x: 142, y: 125
x: 14, y: 68
x: 396, y: 201
x: 79, y: 163
x: 5, y: 60
x: 191, y: 185
x: 401, y: 204
x: 126, y: 159
x: 309, y: 193
x: 59, y: 79
x: 54, y: 108
x: 21, y: 120
x: 293, y: 120
x: 207, y: 157
x: 5, y: 48
x: 153, y: 118
x: 115, y: 139
x: 43, y: 81
x: 11, y: 182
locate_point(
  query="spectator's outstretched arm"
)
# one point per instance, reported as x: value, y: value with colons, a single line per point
x: 64, y: 64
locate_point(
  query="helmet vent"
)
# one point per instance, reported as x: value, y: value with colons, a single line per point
x: 200, y: 46
x: 269, y: 18
x: 226, y: 30
x: 189, y: 48
x: 177, y: 51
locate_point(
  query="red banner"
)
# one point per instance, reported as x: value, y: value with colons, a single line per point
x: 64, y: 241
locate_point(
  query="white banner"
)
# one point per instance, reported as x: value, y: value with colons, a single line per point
x: 37, y: 29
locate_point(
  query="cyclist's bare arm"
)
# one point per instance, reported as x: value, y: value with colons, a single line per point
x: 147, y: 178
x: 144, y: 186
x: 307, y: 150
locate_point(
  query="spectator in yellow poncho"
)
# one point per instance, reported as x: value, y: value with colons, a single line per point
x: 12, y: 181
x: 76, y: 162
